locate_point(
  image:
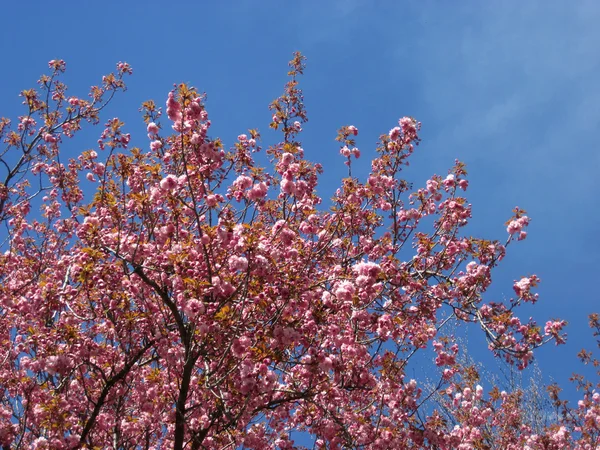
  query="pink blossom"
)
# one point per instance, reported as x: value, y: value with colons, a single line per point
x: 522, y: 286
x: 240, y: 346
x: 243, y: 182
x: 169, y: 183
x: 326, y: 364
x: 449, y: 181
x: 345, y: 290
x: 432, y: 186
x: 367, y: 268
x: 471, y: 267
x: 152, y: 128
x: 515, y: 226
x: 553, y: 327
x: 124, y: 67
x: 194, y: 307
x: 194, y: 110
x: 409, y: 125
x: 238, y: 263
x: 258, y: 191
x: 50, y: 138
x: 211, y: 201
x: 352, y: 129
x: 288, y: 187
x: 196, y: 139
x: 287, y: 158
x: 478, y: 392
x: 173, y: 108
x: 287, y: 236
x: 57, y: 64
x: 155, y: 145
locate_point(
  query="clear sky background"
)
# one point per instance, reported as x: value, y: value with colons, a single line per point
x: 511, y: 88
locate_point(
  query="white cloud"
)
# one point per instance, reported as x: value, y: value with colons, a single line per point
x: 525, y: 72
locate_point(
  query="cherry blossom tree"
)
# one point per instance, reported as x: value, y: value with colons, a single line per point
x: 181, y: 295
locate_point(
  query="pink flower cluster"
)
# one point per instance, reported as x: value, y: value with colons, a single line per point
x: 173, y: 108
x: 517, y: 225
x: 523, y: 288
x: 345, y: 151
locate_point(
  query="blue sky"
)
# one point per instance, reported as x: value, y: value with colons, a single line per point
x: 511, y: 88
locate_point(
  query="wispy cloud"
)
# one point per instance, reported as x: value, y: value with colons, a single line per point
x: 518, y: 81
x: 515, y: 59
